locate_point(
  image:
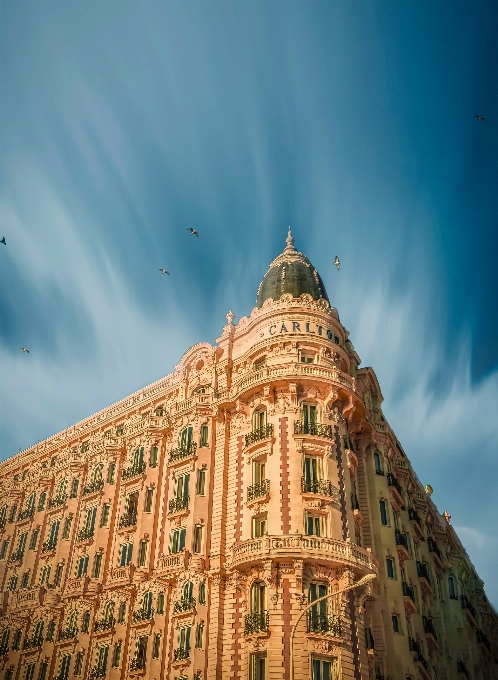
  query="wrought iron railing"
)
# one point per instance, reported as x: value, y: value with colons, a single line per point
x: 182, y: 452
x: 85, y: 534
x: 481, y: 638
x: 49, y: 545
x: 134, y: 470
x: 392, y: 481
x: 258, y: 622
x: 142, y: 615
x: 98, y: 672
x: 466, y: 604
x: 138, y: 663
x: 423, y: 571
x: 323, y: 486
x: 58, y: 500
x: 178, y: 503
x: 429, y: 626
x: 68, y: 633
x: 258, y: 490
x: 348, y: 444
x: 32, y: 642
x: 432, y: 545
x: 97, y: 485
x: 181, y: 653
x: 4, y: 649
x: 369, y: 639
x: 184, y: 605
x: 259, y: 434
x: 462, y: 668
x: 104, y: 624
x: 24, y: 514
x: 317, y: 429
x: 17, y: 556
x: 408, y: 590
x: 323, y: 623
x: 413, y: 515
x: 413, y: 645
x: 3, y: 522
x: 129, y: 519
x: 401, y: 539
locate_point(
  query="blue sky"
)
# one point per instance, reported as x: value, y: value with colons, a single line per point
x: 125, y: 123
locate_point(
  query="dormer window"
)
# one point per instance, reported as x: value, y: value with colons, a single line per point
x: 307, y: 357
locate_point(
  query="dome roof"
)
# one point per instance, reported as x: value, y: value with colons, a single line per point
x: 290, y: 272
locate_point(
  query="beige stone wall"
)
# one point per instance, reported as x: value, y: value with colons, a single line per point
x: 259, y: 364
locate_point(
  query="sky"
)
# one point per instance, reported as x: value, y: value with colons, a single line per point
x: 122, y: 124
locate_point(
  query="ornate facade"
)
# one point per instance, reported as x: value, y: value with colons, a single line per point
x: 183, y: 531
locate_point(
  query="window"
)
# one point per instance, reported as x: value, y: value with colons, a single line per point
x: 138, y: 458
x: 104, y: 516
x: 391, y: 567
x: 202, y: 593
x: 149, y: 493
x: 44, y: 574
x: 97, y: 565
x: 50, y: 631
x: 259, y: 472
x: 58, y: 574
x: 102, y: 654
x: 4, y: 640
x: 307, y: 357
x: 4, y: 549
x: 85, y: 626
x: 384, y: 518
x: 200, y: 488
x: 16, y: 642
x: 323, y: 669
x: 309, y: 414
x: 258, y: 597
x: 378, y: 464
x: 142, y: 553
x: 155, y: 646
x: 197, y: 547
x: 204, y: 442
x: 111, y: 473
x: 12, y: 583
x: 153, y: 457
x: 78, y: 664
x: 160, y: 603
x: 317, y: 615
x: 257, y: 667
x: 66, y: 533
x: 42, y: 675
x: 199, y: 635
x: 259, y: 420
x: 125, y: 554
x: 131, y: 508
x: 312, y: 471
x: 30, y: 503
x: 185, y: 437
x: 25, y: 580
x: 315, y: 525
x: 13, y: 513
x: 89, y: 521
x: 141, y: 648
x: 181, y: 491
x: 82, y: 566
x: 177, y: 543
x: 122, y: 613
x: 74, y: 488
x: 42, y: 501
x: 396, y: 624
x: 30, y: 671
x: 184, y: 637
x: 187, y: 590
x: 116, y: 657
x: 21, y: 545
x: 259, y: 526
x: 452, y: 588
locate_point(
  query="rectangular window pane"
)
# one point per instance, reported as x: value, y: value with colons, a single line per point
x: 383, y: 512
x: 201, y: 482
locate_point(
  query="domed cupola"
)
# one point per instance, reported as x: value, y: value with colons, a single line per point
x: 291, y: 272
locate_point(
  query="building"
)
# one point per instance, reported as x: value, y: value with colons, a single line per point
x: 182, y: 532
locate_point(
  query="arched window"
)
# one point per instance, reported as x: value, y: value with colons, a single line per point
x: 378, y: 463
x: 188, y: 590
x: 186, y: 437
x: 259, y: 420
x: 452, y: 588
x: 258, y: 597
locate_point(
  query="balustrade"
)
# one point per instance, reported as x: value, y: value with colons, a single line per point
x: 316, y: 429
x: 97, y: 485
x: 182, y: 452
x: 104, y: 624
x: 57, y: 501
x: 259, y: 434
x: 68, y: 633
x: 258, y: 490
x: 181, y: 653
x: 429, y: 626
x: 401, y: 539
x: 466, y: 604
x: 259, y: 622
x: 482, y: 639
x: 323, y: 623
x: 322, y: 486
x: 178, y: 504
x: 134, y: 470
x: 129, y: 519
x: 408, y: 591
x: 142, y: 615
x: 432, y: 545
x: 85, y: 534
x: 48, y: 546
x: 184, y: 605
x: 25, y: 514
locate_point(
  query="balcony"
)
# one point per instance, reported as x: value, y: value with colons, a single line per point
x: 433, y: 548
x: 98, y: 672
x: 369, y: 641
x: 395, y: 487
x: 320, y: 486
x: 129, y: 519
x: 48, y: 546
x: 348, y: 444
x: 355, y: 504
x: 401, y: 546
x: 178, y: 504
x: 316, y: 429
x: 408, y: 598
x: 483, y: 640
x: 462, y: 669
x: 323, y: 623
x: 258, y: 490
x: 26, y: 514
x: 430, y: 631
x: 32, y: 642
x: 425, y: 578
x: 186, y: 604
x: 134, y: 471
x: 182, y: 452
x: 138, y: 663
x: 17, y: 556
x: 85, y: 534
x: 3, y: 522
x: 181, y: 654
x: 467, y: 605
x: 4, y: 649
x: 57, y: 501
x: 142, y: 615
x: 93, y: 487
x: 258, y: 435
x: 68, y: 633
x: 414, y: 517
x: 256, y: 623
x: 104, y: 624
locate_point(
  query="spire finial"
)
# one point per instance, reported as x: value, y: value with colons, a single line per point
x: 290, y: 240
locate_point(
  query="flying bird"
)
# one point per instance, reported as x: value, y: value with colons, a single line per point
x: 193, y: 231
x: 480, y: 118
x: 3, y: 240
x: 23, y: 349
x: 163, y: 271
x: 337, y: 263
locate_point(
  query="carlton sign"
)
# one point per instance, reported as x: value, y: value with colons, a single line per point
x: 302, y: 327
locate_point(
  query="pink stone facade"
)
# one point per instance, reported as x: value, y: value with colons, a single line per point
x: 180, y: 533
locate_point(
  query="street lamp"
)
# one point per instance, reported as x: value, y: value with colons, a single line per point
x: 366, y: 579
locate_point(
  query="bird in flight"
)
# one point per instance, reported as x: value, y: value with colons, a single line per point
x: 163, y: 271
x: 193, y: 232
x: 3, y: 240
x: 480, y: 118
x: 23, y: 349
x: 337, y: 263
